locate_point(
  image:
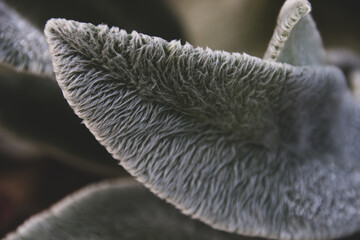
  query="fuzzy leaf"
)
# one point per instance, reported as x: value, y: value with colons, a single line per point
x: 115, y: 210
x: 247, y: 146
x: 296, y: 40
x: 32, y: 108
x: 22, y: 46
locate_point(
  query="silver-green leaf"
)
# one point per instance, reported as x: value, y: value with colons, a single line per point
x: 22, y: 46
x: 246, y: 145
x: 32, y: 108
x: 111, y: 210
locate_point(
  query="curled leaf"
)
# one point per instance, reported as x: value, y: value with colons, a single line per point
x: 245, y: 145
x: 120, y: 209
x: 296, y: 40
x: 228, y: 25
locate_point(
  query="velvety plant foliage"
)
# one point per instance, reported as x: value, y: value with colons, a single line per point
x: 248, y: 146
x: 42, y: 118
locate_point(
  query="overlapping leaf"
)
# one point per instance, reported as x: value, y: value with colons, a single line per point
x: 120, y: 209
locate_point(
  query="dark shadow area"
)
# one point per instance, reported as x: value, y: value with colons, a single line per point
x: 27, y: 188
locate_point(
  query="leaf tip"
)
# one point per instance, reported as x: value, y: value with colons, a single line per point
x: 290, y: 14
x: 53, y: 26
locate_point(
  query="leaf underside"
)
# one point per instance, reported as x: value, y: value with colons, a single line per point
x: 120, y: 209
x: 242, y: 144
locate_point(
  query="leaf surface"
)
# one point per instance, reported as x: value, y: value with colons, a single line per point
x: 245, y: 145
x: 120, y: 209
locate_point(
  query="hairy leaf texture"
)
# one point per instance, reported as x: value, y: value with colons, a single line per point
x: 32, y: 109
x: 22, y: 46
x: 296, y: 40
x: 111, y: 210
x: 246, y: 145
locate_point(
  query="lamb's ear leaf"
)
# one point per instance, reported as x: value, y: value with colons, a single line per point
x: 243, y: 144
x: 296, y: 39
x: 22, y: 46
x: 211, y: 86
x: 117, y: 209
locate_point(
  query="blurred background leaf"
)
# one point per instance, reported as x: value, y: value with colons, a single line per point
x: 247, y: 25
x: 120, y: 209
